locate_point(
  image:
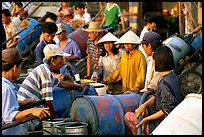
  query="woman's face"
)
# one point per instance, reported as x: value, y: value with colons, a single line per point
x: 108, y: 46
x: 128, y: 47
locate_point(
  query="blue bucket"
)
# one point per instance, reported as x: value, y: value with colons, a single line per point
x: 30, y: 39
x: 196, y: 43
x: 104, y: 114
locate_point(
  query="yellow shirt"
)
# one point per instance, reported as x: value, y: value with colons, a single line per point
x: 132, y: 71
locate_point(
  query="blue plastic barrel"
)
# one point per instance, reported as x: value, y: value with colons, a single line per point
x: 61, y: 102
x: 30, y: 23
x: 62, y: 99
x: 104, y: 114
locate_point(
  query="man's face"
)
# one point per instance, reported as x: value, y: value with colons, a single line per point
x: 92, y: 35
x: 61, y: 35
x: 5, y: 19
x: 57, y: 63
x: 153, y: 26
x: 147, y: 48
x: 48, y: 37
x: 17, y: 71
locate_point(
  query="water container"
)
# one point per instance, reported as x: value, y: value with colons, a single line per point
x: 185, y: 119
x: 178, y: 47
x: 30, y: 23
x: 61, y: 101
x: 81, y: 38
x: 104, y: 114
x: 49, y: 125
x: 196, y: 43
x: 72, y: 128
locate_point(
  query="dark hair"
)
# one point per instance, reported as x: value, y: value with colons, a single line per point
x: 51, y: 15
x: 115, y: 50
x: 49, y: 27
x: 164, y: 59
x: 49, y: 60
x: 7, y: 67
x: 152, y: 19
x: 19, y: 4
x: 80, y: 5
x: 6, y: 12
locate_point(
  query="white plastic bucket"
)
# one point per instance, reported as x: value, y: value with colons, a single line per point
x: 99, y: 87
x: 185, y: 119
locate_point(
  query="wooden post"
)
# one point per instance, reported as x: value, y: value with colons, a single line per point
x: 181, y: 20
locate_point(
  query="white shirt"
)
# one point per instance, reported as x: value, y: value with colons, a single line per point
x: 86, y: 17
x: 144, y: 30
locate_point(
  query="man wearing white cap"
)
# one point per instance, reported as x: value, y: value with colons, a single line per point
x: 110, y: 59
x: 39, y: 84
x: 132, y: 67
x: 69, y: 46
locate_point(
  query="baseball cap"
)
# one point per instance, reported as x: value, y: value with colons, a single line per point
x: 151, y: 37
x: 51, y: 50
x: 60, y: 28
x: 10, y: 56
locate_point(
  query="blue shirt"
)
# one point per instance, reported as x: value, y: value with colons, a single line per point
x: 72, y: 48
x: 39, y: 55
x: 9, y: 106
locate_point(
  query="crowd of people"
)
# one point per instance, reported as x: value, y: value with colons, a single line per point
x: 126, y: 64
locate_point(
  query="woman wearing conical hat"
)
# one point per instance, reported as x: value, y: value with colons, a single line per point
x: 110, y: 59
x: 132, y: 67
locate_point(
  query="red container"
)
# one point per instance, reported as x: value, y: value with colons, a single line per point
x: 165, y: 13
x: 81, y: 38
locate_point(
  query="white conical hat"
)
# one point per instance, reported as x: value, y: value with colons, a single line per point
x: 128, y: 37
x: 108, y: 37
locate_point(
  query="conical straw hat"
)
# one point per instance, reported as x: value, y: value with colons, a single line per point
x: 108, y: 37
x: 128, y: 37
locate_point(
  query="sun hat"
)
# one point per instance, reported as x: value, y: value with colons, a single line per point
x: 151, y: 37
x: 51, y: 50
x: 60, y: 28
x: 108, y: 37
x: 93, y: 26
x: 10, y: 56
x: 129, y: 37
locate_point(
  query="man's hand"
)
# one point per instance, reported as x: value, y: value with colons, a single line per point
x: 59, y: 76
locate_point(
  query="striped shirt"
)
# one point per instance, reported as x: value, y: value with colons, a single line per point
x: 93, y: 51
x: 38, y: 84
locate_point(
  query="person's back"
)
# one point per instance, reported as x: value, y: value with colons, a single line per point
x: 112, y: 14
